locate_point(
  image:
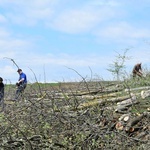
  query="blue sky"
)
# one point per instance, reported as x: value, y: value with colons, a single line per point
x: 48, y: 37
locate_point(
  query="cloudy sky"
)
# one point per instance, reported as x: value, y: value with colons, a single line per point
x: 64, y: 40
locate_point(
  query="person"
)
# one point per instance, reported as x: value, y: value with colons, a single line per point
x: 1, y: 89
x: 137, y: 70
x: 21, y: 84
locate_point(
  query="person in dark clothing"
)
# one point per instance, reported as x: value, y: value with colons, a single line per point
x: 137, y: 70
x: 1, y: 89
x: 21, y: 84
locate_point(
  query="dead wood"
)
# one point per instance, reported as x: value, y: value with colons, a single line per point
x: 124, y: 106
x: 119, y: 125
x: 145, y: 94
x: 122, y: 109
x: 131, y: 100
x: 139, y: 88
x: 97, y: 91
x: 60, y: 119
x: 125, y: 117
x: 102, y: 96
x: 118, y: 99
x: 134, y: 121
x: 141, y: 135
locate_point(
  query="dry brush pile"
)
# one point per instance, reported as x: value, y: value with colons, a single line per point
x: 77, y: 116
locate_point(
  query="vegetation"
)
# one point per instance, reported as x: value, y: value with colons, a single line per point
x: 73, y: 116
x: 117, y: 68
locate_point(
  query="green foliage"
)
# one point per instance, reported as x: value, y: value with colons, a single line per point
x: 117, y: 68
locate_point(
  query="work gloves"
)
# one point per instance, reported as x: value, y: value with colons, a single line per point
x: 17, y: 84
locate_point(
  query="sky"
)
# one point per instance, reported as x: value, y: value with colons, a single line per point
x: 71, y: 40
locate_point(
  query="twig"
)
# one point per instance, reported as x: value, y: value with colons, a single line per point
x: 12, y: 61
x: 82, y: 78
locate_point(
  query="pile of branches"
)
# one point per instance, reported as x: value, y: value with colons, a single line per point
x: 84, y: 116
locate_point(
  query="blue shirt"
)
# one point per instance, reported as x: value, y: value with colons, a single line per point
x: 23, y: 75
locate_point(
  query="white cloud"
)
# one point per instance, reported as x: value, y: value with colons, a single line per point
x: 78, y: 19
x: 29, y: 13
x: 61, y: 60
x: 83, y: 19
x: 75, y: 21
x: 123, y: 32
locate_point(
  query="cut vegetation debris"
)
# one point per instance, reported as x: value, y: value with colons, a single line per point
x: 95, y: 115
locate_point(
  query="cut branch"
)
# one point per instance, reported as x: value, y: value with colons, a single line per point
x: 12, y: 61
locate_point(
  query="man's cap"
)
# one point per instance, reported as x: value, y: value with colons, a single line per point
x: 1, y: 79
x: 19, y: 70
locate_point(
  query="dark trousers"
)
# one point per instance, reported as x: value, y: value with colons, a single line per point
x: 1, y: 96
x: 2, y: 105
x: 20, y: 90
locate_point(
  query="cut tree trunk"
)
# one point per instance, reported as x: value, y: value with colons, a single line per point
x: 145, y: 94
x: 139, y: 88
x: 134, y: 121
x: 128, y: 101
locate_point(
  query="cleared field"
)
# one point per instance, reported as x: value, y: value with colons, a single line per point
x: 81, y: 115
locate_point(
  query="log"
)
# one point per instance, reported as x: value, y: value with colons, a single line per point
x: 145, y: 94
x: 124, y: 117
x: 99, y: 101
x: 139, y: 88
x: 134, y: 121
x: 121, y: 109
x: 128, y: 101
x: 112, y: 90
x: 118, y: 99
x: 89, y: 104
x: 114, y: 95
x: 91, y: 97
x: 85, y: 93
x: 119, y: 125
x: 113, y: 100
x: 97, y: 91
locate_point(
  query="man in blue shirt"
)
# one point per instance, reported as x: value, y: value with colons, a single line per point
x: 21, y: 84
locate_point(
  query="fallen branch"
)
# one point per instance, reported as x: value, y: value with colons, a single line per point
x: 139, y: 88
x: 134, y: 121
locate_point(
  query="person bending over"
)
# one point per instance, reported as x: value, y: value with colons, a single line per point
x: 137, y: 70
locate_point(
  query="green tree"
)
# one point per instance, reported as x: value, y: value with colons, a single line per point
x: 118, y: 66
